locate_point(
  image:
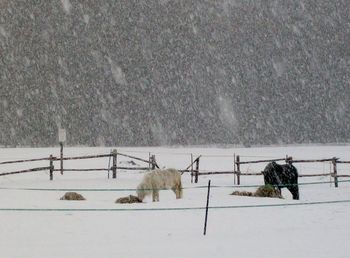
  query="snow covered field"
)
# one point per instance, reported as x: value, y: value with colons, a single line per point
x: 35, y: 223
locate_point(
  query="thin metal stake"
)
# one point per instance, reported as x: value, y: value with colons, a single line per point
x: 206, y: 210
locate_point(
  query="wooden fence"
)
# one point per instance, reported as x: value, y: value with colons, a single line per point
x: 289, y: 160
x: 152, y: 164
x: 193, y: 168
x: 50, y: 167
x: 237, y: 172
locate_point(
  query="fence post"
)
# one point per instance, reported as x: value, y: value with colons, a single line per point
x: 197, y: 171
x: 191, y: 168
x: 150, y: 160
x: 153, y: 160
x: 238, y: 170
x: 51, y: 167
x: 335, y: 172
x: 114, y: 164
x: 109, y: 163
x: 61, y: 144
x: 234, y: 168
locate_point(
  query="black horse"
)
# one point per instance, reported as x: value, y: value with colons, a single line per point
x: 282, y: 176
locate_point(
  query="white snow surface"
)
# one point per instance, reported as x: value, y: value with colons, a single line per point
x: 36, y: 223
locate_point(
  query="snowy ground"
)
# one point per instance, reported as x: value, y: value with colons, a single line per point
x: 35, y: 223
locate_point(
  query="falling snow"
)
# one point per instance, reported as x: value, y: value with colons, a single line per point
x: 174, y: 72
x: 66, y: 6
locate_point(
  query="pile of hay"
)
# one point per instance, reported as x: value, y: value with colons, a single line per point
x: 72, y: 196
x: 129, y: 199
x: 262, y: 191
x: 267, y: 191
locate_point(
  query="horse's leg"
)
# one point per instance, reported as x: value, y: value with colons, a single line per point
x: 177, y: 192
x: 296, y: 187
x: 294, y: 191
x: 155, y: 195
x: 279, y: 190
x: 180, y: 190
x: 174, y: 190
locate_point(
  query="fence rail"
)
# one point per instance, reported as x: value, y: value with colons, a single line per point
x: 23, y: 161
x: 83, y: 157
x: 314, y: 160
x: 25, y: 171
x: 260, y: 161
x: 343, y: 162
x: 101, y: 169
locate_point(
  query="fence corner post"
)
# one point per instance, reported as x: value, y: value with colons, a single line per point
x: 335, y: 172
x: 51, y: 167
x: 114, y: 164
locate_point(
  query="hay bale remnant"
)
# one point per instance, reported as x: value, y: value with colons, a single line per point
x: 262, y: 191
x: 72, y: 196
x: 129, y: 199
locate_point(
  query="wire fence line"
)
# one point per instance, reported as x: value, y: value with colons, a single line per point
x: 173, y: 208
x: 160, y: 189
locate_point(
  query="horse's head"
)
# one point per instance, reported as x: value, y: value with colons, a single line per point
x: 141, y: 193
x: 269, y: 173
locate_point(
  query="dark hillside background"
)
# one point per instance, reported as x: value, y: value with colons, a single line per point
x: 174, y: 72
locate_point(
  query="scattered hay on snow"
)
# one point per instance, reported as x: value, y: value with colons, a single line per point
x: 242, y: 193
x: 128, y: 199
x: 72, y: 196
x: 262, y: 191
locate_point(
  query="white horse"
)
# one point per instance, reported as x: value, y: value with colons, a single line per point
x: 157, y: 180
